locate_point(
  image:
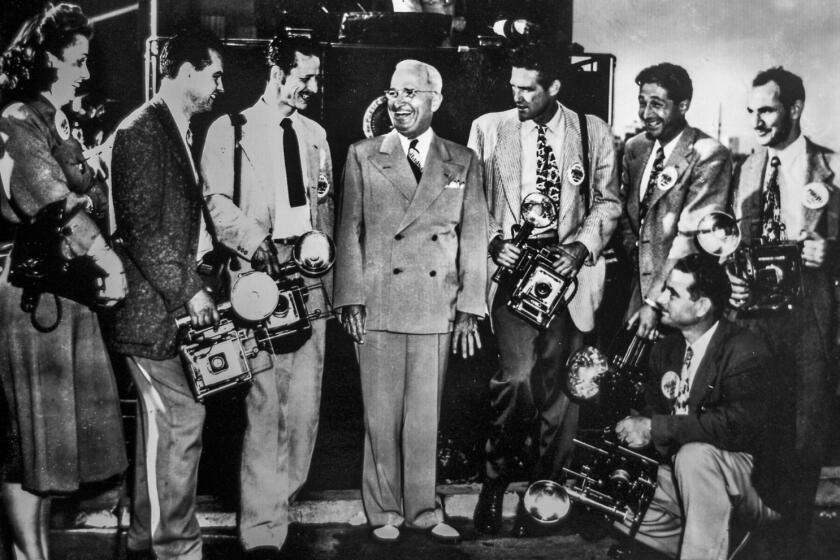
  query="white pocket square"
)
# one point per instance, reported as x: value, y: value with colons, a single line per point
x: 454, y: 184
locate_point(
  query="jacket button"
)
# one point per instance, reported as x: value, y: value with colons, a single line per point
x: 398, y: 236
x: 397, y: 270
x: 434, y: 237
x: 433, y: 273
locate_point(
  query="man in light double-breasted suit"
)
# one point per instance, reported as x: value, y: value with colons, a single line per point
x: 537, y: 147
x: 284, y: 191
x: 410, y: 277
x: 672, y: 175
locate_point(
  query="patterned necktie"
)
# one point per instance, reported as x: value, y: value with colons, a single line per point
x: 681, y: 404
x: 414, y: 160
x: 548, y: 175
x: 655, y: 170
x: 294, y: 174
x: 771, y: 218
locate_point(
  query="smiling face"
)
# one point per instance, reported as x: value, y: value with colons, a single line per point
x: 412, y: 115
x: 679, y: 308
x: 663, y: 118
x: 775, y: 125
x: 205, y: 84
x: 297, y: 88
x: 70, y: 69
x: 532, y: 100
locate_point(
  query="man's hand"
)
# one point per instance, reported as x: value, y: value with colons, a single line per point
x: 465, y: 336
x: 740, y: 291
x: 353, y: 321
x: 570, y: 258
x: 814, y: 249
x: 634, y: 431
x: 202, y: 309
x: 648, y: 319
x: 265, y: 260
x: 504, y: 252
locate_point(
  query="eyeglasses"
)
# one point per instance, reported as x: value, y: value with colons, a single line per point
x: 409, y: 93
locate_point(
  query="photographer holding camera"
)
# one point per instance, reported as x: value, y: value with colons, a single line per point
x: 788, y: 189
x: 537, y: 148
x: 268, y: 181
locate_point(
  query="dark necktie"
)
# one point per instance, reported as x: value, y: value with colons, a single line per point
x: 681, y: 404
x: 414, y: 160
x: 771, y: 218
x: 548, y: 175
x: 291, y: 155
x: 655, y: 170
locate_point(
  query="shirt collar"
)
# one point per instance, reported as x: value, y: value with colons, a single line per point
x: 668, y: 148
x: 791, y: 153
x: 181, y: 121
x: 554, y: 125
x: 423, y: 142
x: 273, y: 114
x: 701, y: 344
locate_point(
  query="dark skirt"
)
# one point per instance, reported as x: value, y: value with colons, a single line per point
x: 63, y: 424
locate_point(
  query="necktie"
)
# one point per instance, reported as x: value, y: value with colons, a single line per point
x: 655, y: 170
x: 414, y: 160
x: 681, y: 404
x: 548, y: 175
x: 772, y: 227
x: 291, y: 155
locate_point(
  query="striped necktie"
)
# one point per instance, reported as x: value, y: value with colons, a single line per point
x: 414, y: 160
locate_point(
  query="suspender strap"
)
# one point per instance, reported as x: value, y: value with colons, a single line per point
x: 587, y: 180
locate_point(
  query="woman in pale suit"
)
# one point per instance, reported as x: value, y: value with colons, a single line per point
x: 64, y: 426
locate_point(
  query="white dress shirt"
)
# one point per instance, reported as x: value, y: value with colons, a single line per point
x: 422, y: 147
x: 668, y: 149
x: 699, y: 350
x: 793, y: 173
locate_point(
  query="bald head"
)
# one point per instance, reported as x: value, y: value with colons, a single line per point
x: 414, y: 96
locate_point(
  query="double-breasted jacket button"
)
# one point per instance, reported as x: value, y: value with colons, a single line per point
x: 433, y: 273
x: 434, y: 237
x: 398, y: 237
x: 397, y: 270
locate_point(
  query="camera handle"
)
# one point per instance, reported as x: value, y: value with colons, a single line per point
x: 519, y: 235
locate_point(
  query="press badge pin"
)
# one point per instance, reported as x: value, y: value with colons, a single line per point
x: 575, y: 174
x: 667, y: 178
x: 62, y: 125
x: 323, y: 185
x: 816, y: 196
x: 669, y: 384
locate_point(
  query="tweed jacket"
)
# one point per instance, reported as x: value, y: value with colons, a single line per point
x: 702, y: 169
x: 734, y: 404
x: 412, y: 253
x: 242, y: 225
x: 822, y: 167
x: 158, y: 207
x: 496, y: 139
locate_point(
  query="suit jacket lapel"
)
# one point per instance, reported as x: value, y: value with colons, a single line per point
x: 392, y: 163
x: 637, y: 164
x: 678, y: 160
x: 570, y: 153
x: 180, y: 152
x: 817, y: 172
x: 438, y: 171
x: 708, y: 368
x: 752, y: 180
x: 508, y: 164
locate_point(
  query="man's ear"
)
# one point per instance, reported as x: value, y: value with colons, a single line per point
x: 703, y: 306
x: 52, y: 60
x: 437, y: 99
x: 796, y: 109
x: 683, y: 106
x: 276, y: 74
x: 554, y: 88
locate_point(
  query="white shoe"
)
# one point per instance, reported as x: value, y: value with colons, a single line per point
x: 445, y: 534
x: 386, y: 534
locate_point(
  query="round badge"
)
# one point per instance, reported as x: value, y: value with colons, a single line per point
x: 667, y: 178
x: 323, y: 186
x: 816, y: 196
x: 669, y: 383
x: 575, y: 174
x: 62, y: 125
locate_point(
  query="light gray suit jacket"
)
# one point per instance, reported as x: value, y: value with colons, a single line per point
x: 496, y: 139
x: 702, y: 168
x: 412, y: 254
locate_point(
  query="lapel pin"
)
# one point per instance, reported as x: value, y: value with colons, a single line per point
x: 62, y: 125
x: 323, y: 185
x: 667, y: 178
x: 669, y: 383
x: 575, y: 174
x: 816, y: 196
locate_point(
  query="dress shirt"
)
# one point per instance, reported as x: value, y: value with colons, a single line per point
x: 288, y: 221
x: 793, y: 174
x: 554, y: 136
x: 668, y: 149
x: 699, y: 350
x: 423, y: 143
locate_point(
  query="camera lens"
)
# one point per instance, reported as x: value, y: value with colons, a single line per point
x: 218, y: 363
x: 542, y: 289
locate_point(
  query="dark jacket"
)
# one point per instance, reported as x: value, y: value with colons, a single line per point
x: 158, y: 205
x: 734, y: 404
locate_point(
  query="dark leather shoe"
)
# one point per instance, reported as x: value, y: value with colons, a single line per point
x: 263, y: 553
x: 139, y: 554
x: 522, y: 526
x: 488, y: 511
